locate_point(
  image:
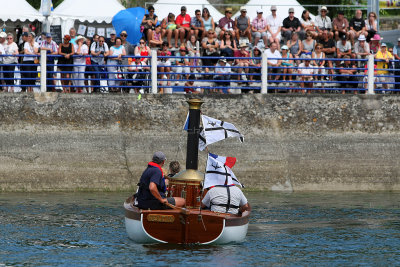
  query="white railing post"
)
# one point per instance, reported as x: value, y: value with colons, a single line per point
x: 153, y: 72
x: 370, y: 72
x: 264, y: 74
x: 43, y: 71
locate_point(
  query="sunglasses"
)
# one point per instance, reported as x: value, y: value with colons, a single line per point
x: 291, y: 12
x: 323, y: 11
x: 141, y: 42
x: 9, y: 38
x: 124, y: 35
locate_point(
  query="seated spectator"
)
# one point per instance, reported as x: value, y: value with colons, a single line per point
x: 371, y: 25
x: 242, y: 61
x: 308, y: 24
x: 365, y: 79
x: 357, y: 26
x: 143, y: 50
x: 308, y: 45
x: 243, y: 25
x: 374, y: 45
x: 361, y: 49
x: 208, y: 22
x: 292, y: 24
x: 343, y: 48
x: 255, y: 61
x: 295, y: 46
x: 149, y: 23
x: 164, y: 65
x: 156, y: 39
x: 347, y: 71
x: 182, y: 64
x: 323, y: 23
x: 168, y: 26
x: 274, y: 61
x: 226, y: 23
x: 274, y: 27
x: 329, y: 48
x: 319, y: 61
x: 228, y: 45
x: 189, y: 86
x: 383, y: 57
x: 340, y: 26
x: 211, y: 49
x: 197, y: 25
x: 138, y: 69
x: 259, y: 29
x: 193, y: 51
x: 287, y: 65
x: 223, y: 76
x: 306, y: 71
x: 183, y: 25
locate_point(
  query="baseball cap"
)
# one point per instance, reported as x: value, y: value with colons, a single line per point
x: 291, y: 9
x: 159, y: 156
x: 48, y: 35
x: 183, y: 8
x: 259, y: 11
x: 340, y: 12
x: 123, y: 32
x: 284, y: 47
x: 343, y: 37
x: 383, y: 44
x: 228, y: 9
x: 222, y: 59
x: 113, y: 32
x: 273, y: 8
x: 25, y: 34
x: 324, y: 8
x: 243, y: 8
x: 3, y: 35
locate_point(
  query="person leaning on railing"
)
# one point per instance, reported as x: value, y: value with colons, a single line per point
x: 10, y: 48
x: 274, y: 61
x: 114, y: 58
x: 137, y: 75
x: 66, y: 50
x: 287, y: 66
x: 29, y: 73
x: 52, y: 49
x: 3, y: 37
x: 383, y: 57
x: 98, y: 49
x: 307, y: 72
x: 81, y: 50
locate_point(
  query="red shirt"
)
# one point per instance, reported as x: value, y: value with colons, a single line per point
x: 183, y: 21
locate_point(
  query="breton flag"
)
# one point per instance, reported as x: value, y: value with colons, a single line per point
x: 216, y: 130
x: 217, y: 173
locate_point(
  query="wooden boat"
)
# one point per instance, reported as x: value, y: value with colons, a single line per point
x: 189, y: 225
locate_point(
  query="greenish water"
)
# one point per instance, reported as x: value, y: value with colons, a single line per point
x: 297, y: 229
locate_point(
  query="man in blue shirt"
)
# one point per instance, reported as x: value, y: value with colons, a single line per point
x: 152, y: 189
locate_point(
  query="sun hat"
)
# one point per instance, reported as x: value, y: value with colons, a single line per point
x: 228, y: 9
x: 259, y: 11
x: 284, y: 47
x: 222, y: 59
x: 3, y: 35
x: 376, y: 37
x: 362, y: 37
x: 79, y: 38
x: 242, y: 45
x: 243, y: 8
x: 123, y: 32
x: 324, y: 8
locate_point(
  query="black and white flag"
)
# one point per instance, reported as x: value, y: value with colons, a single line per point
x: 217, y: 173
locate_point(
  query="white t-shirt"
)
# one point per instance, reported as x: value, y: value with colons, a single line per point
x: 115, y: 53
x: 307, y: 70
x: 274, y: 23
x: 9, y: 50
x: 27, y: 46
x: 219, y: 195
x: 84, y: 50
x: 276, y: 54
x: 323, y: 23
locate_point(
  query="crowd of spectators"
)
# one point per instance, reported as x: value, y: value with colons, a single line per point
x: 301, y: 51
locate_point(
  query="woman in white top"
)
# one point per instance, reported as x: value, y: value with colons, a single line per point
x: 10, y: 48
x: 29, y: 70
x: 308, y: 24
x: 115, y: 55
x: 81, y: 51
x: 371, y: 25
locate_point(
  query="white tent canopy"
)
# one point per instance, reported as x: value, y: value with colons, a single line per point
x: 88, y: 10
x: 18, y: 10
x: 164, y: 7
x: 282, y: 8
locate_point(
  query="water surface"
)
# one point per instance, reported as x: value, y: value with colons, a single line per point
x: 297, y: 229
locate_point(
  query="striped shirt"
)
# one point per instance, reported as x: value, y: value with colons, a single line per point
x: 218, y: 195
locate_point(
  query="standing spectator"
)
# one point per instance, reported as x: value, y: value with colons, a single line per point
x: 24, y: 39
x: 164, y: 65
x: 274, y: 27
x: 51, y: 49
x: 274, y: 61
x: 98, y: 50
x: 89, y: 75
x: 343, y: 48
x: 259, y: 28
x: 329, y: 48
x: 3, y: 37
x: 242, y: 25
x: 357, y: 26
x: 323, y: 23
x: 396, y: 54
x: 197, y: 25
x: 361, y: 49
x: 10, y: 48
x: 66, y: 50
x: 287, y: 65
x: 72, y: 33
x: 143, y: 50
x: 168, y: 26
x: 111, y: 41
x: 222, y: 76
x: 30, y: 70
x: 308, y: 24
x: 371, y: 25
x: 129, y: 48
x: 374, y: 44
x: 208, y: 22
x: 115, y: 58
x: 193, y: 50
x: 228, y: 45
x: 292, y: 24
x: 149, y: 22
x: 81, y: 51
x: 306, y: 71
x: 295, y: 46
x: 210, y: 46
x: 183, y: 25
x: 308, y: 45
x: 347, y: 73
x: 156, y: 39
x: 242, y: 61
x: 182, y: 64
x: 226, y: 23
x: 39, y: 39
x: 25, y: 31
x: 383, y: 57
x: 340, y: 26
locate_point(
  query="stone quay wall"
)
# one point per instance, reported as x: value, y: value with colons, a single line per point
x: 52, y: 142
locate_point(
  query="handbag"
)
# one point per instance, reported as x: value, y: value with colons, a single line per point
x: 36, y: 60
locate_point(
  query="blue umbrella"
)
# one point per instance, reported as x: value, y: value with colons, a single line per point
x: 129, y: 20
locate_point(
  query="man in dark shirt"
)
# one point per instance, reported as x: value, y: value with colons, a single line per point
x: 152, y: 188
x: 357, y: 26
x: 292, y: 24
x: 329, y: 49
